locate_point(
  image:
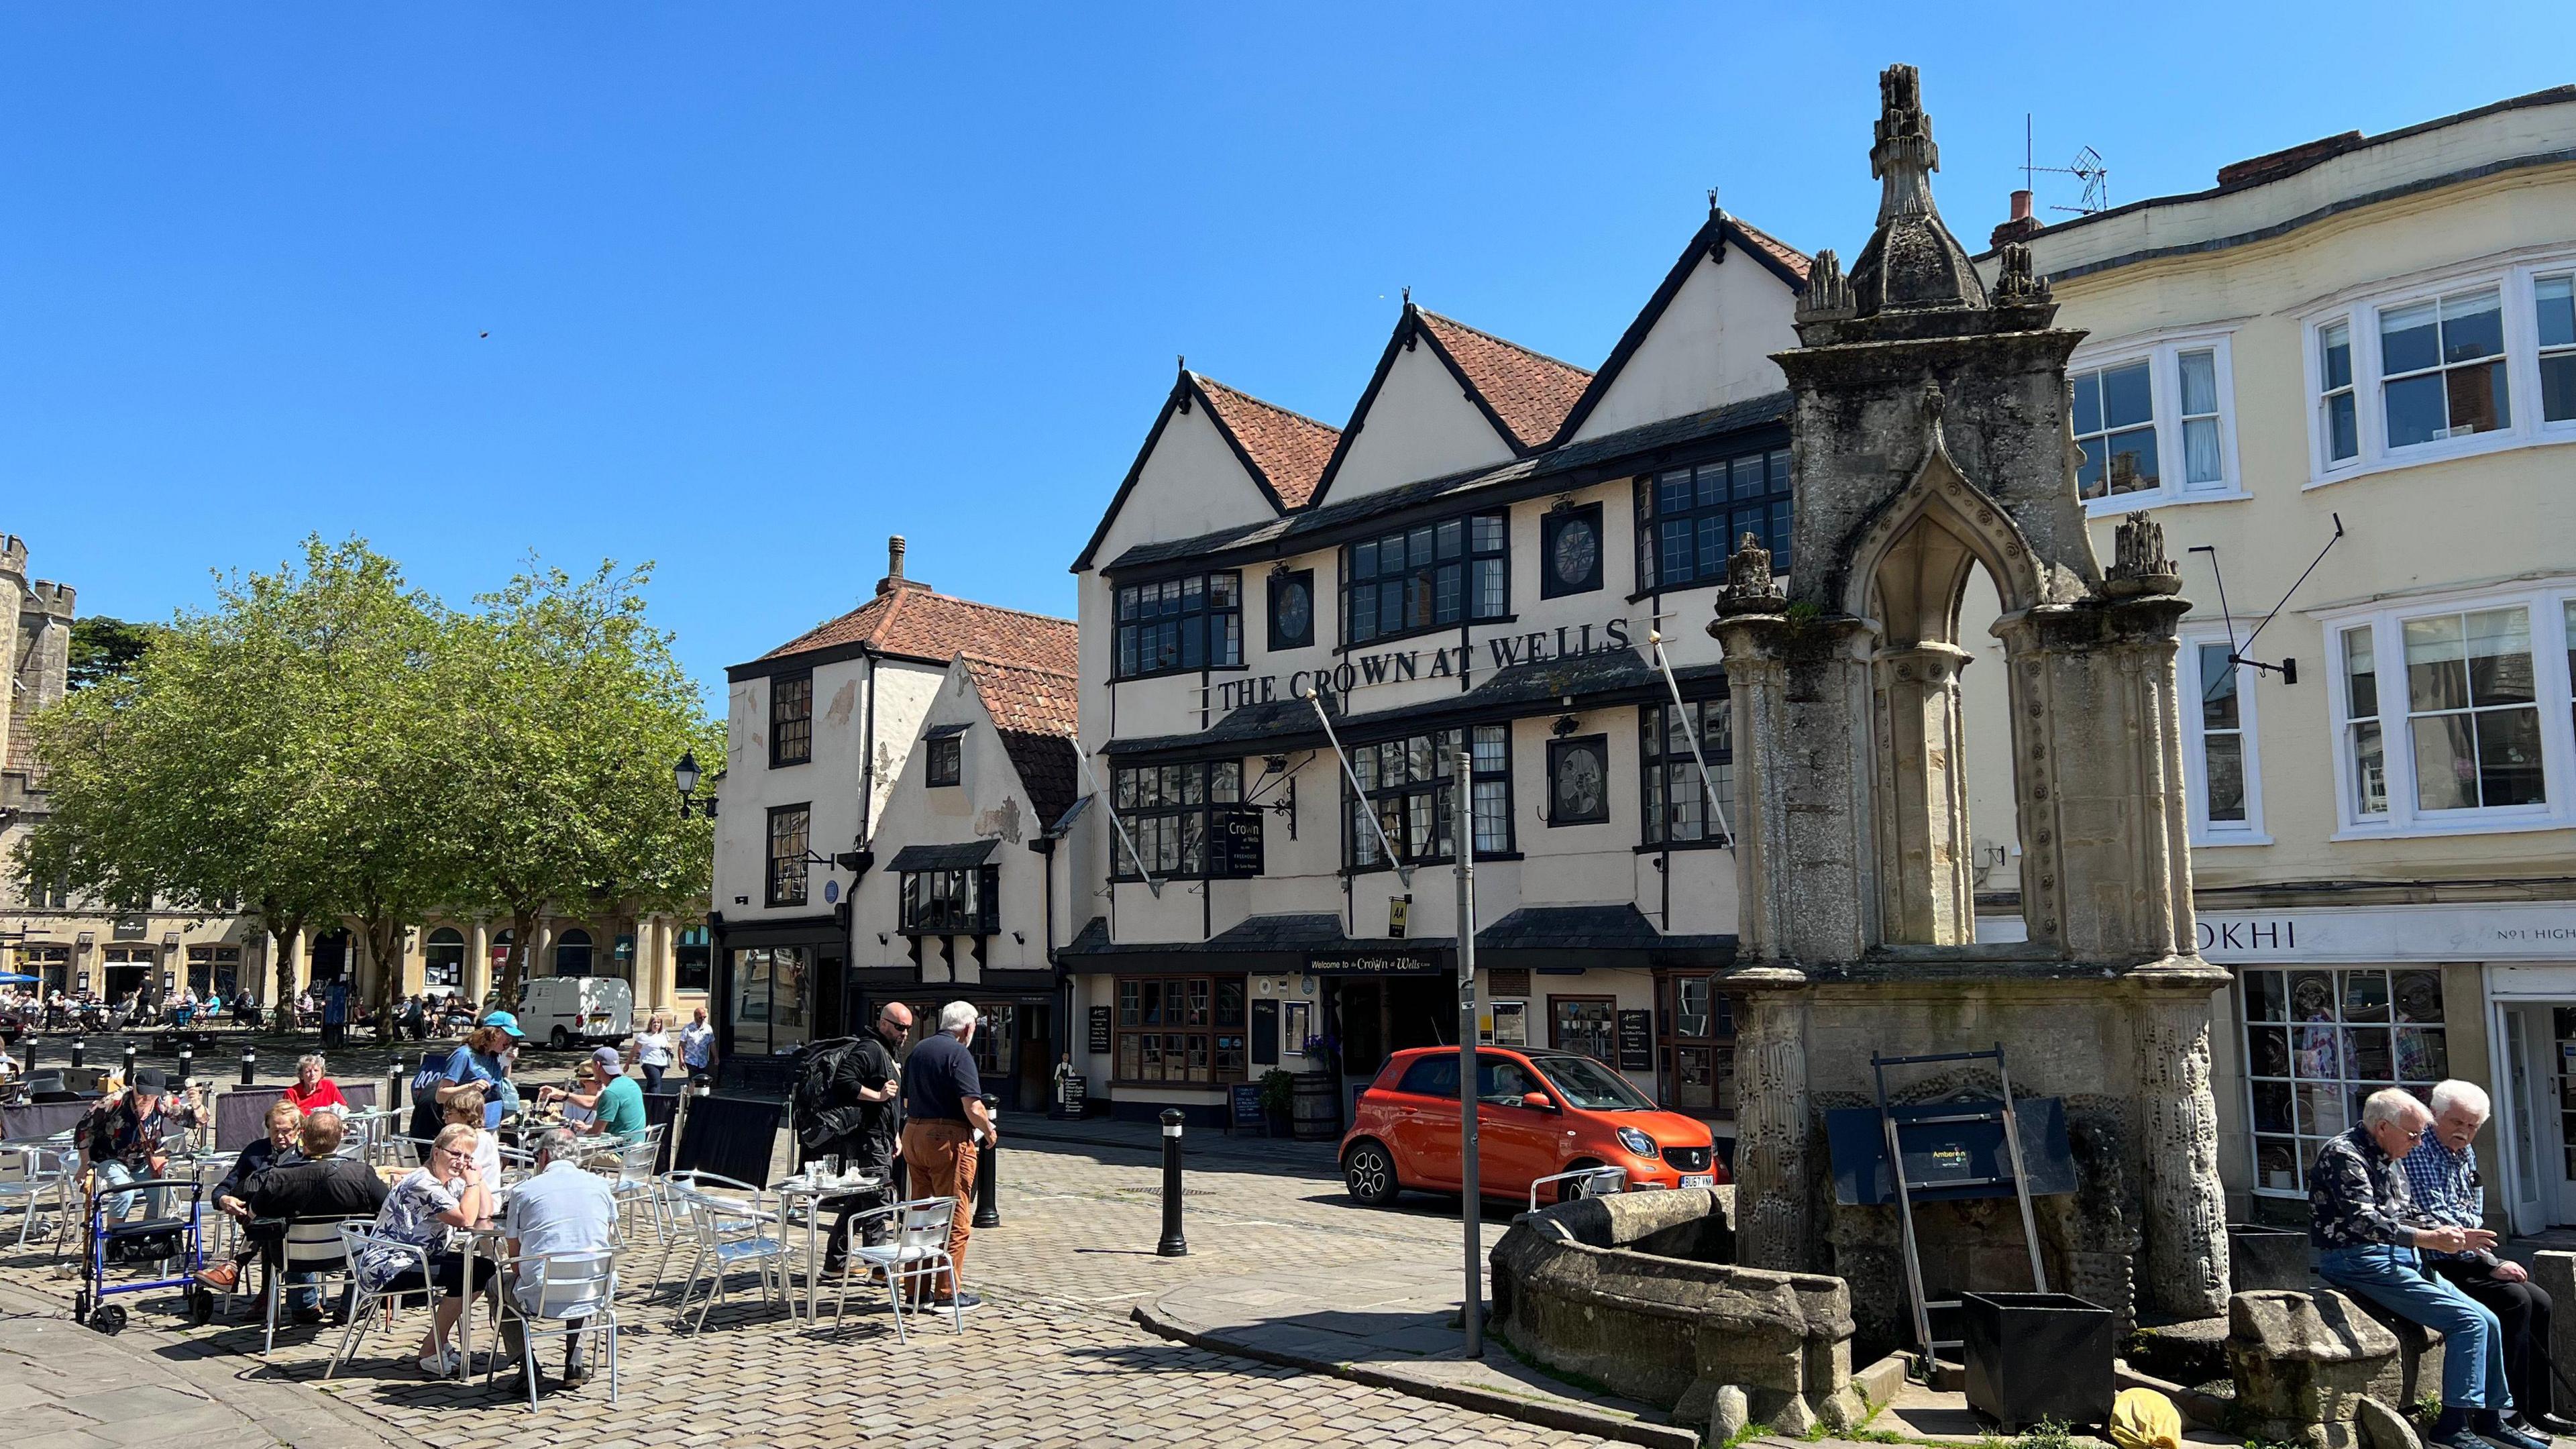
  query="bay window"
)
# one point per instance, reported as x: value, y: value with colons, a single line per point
x: 2436, y: 371
x: 1171, y: 813
x: 2153, y: 424
x: 1174, y: 626
x: 2456, y: 715
x: 1407, y: 784
x: 962, y: 902
x: 1430, y: 576
x: 1187, y: 1029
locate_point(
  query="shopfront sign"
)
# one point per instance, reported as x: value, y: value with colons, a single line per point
x: 1372, y: 963
x: 2364, y: 935
x: 1097, y: 1039
x: 1636, y: 1041
x: 1432, y: 661
x: 1238, y: 843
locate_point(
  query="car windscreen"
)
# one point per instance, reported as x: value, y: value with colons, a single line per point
x: 1587, y: 1084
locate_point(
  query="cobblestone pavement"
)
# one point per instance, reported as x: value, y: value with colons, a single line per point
x: 1050, y: 1360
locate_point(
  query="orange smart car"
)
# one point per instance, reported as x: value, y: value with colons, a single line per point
x: 1538, y: 1113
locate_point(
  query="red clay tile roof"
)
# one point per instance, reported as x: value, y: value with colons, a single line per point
x: 1290, y: 449
x: 1034, y: 709
x: 1530, y: 391
x: 920, y: 623
x: 1787, y: 255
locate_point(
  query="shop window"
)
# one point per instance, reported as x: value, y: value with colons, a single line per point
x: 1676, y: 810
x: 1690, y: 519
x: 965, y: 901
x: 692, y: 960
x: 2318, y: 1042
x: 1171, y: 813
x: 1588, y: 1025
x: 791, y: 719
x: 1431, y: 576
x: 1696, y: 1022
x: 1175, y: 625
x: 214, y: 972
x: 443, y: 960
x: 788, y: 826
x: 769, y: 999
x: 1407, y: 783
x: 1186, y: 1029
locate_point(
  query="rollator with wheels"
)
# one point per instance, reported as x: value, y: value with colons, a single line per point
x: 165, y: 1251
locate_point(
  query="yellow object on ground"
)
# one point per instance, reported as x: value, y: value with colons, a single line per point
x: 2145, y: 1419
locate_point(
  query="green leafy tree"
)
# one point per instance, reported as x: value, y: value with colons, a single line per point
x: 570, y: 710
x: 103, y: 649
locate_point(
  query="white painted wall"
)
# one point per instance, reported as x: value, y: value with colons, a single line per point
x: 1420, y: 425
x: 1711, y: 347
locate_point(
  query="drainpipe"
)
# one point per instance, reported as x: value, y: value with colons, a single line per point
x: 868, y: 750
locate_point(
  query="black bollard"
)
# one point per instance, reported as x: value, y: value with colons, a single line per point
x: 986, y: 1214
x: 1173, y: 1244
x: 187, y: 1060
x: 395, y: 1078
x: 250, y: 1064
x: 129, y: 1064
x: 80, y: 1048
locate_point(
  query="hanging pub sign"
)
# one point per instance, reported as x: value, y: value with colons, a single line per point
x: 1099, y: 1034
x: 1238, y: 843
x: 1636, y: 1041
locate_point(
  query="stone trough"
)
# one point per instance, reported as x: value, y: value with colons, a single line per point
x: 1636, y: 1292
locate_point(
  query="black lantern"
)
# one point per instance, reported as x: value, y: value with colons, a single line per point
x: 685, y: 776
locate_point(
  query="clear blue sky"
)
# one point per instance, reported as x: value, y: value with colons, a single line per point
x: 766, y: 283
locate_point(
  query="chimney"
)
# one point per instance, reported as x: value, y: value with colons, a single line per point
x: 2023, y: 225
x: 894, y: 578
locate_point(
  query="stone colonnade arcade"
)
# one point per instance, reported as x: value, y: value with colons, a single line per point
x: 1931, y: 440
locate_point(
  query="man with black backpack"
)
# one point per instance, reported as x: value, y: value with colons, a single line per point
x: 847, y: 1105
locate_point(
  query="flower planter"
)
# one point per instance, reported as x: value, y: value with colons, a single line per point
x: 2034, y: 1356
x: 2261, y: 1258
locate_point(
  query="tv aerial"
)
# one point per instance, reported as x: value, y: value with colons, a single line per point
x: 2086, y: 167
x: 2288, y: 668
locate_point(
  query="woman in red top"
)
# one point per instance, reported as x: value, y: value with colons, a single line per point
x: 313, y: 1090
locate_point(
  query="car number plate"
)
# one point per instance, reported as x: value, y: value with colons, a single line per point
x: 1699, y: 1179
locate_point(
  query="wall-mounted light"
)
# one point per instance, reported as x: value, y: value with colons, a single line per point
x: 1274, y: 764
x: 1565, y: 725
x: 742, y: 900
x: 685, y: 776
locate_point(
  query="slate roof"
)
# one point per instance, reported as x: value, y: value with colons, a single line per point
x: 1034, y: 710
x: 1552, y: 930
x: 1287, y: 534
x: 1288, y: 449
x: 919, y: 623
x: 1530, y: 392
x: 964, y: 856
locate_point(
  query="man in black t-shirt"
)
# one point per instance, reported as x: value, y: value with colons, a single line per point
x: 866, y: 1080
x: 944, y: 1114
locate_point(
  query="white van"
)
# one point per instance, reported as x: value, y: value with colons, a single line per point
x: 564, y: 1010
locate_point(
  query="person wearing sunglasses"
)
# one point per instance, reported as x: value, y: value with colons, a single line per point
x: 2369, y: 1233
x: 446, y: 1193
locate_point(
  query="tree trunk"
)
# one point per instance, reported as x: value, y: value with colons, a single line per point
x: 384, y: 943
x: 514, y: 967
x: 289, y: 930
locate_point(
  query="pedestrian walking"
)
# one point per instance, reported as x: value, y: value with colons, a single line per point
x: 944, y: 1119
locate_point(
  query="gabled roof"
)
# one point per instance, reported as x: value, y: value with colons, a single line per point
x: 1523, y: 394
x: 1776, y: 256
x: 1034, y: 710
x: 909, y: 621
x: 1285, y: 452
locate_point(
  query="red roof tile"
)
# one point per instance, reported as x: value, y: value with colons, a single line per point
x: 1290, y: 449
x: 1787, y: 255
x: 1530, y: 391
x: 920, y: 623
x: 1034, y: 710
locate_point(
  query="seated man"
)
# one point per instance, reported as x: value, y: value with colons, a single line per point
x: 122, y: 1139
x: 560, y: 1209
x: 2442, y: 1172
x: 232, y: 1195
x: 2362, y: 1219
x: 315, y: 1183
x: 618, y: 1111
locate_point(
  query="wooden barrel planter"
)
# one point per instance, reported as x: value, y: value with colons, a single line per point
x: 1316, y: 1111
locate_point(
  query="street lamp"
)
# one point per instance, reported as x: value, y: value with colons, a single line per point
x: 685, y: 776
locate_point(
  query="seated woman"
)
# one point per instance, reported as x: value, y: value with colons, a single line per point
x: 421, y: 1211
x: 313, y: 1089
x: 580, y: 1101
x: 464, y: 1106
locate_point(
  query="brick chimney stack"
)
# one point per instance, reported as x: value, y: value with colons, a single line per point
x: 894, y: 578
x: 2023, y: 225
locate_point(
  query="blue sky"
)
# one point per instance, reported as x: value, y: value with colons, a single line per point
x: 765, y: 283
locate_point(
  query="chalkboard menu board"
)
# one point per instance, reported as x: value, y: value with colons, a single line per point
x: 1265, y: 1033
x: 1076, y: 1091
x: 1100, y: 1030
x: 1636, y: 1041
x: 1243, y: 1104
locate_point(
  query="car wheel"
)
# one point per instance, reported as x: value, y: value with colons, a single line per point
x: 1575, y: 1187
x: 1369, y: 1172
x: 559, y: 1038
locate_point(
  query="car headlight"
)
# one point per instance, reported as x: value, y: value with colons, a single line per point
x: 1636, y: 1142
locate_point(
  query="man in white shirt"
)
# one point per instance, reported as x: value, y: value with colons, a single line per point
x: 697, y: 1046
x: 560, y: 1209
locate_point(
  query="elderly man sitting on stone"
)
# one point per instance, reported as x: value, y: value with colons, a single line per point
x: 2366, y: 1226
x: 2442, y: 1173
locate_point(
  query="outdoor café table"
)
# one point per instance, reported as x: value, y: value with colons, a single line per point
x: 810, y: 1188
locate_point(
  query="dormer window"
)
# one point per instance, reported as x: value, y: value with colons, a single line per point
x: 946, y: 757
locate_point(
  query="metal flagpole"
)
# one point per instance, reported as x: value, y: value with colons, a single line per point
x: 1462, y: 822
x: 1681, y: 712
x: 1093, y: 786
x: 1403, y: 870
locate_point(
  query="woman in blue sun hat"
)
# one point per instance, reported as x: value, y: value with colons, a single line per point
x: 484, y: 1058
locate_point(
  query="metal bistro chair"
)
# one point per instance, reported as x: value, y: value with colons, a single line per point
x: 311, y: 1245
x: 731, y: 1234
x: 358, y: 1238
x: 671, y: 1213
x: 567, y: 1286
x: 917, y: 1254
x: 42, y: 1171
x: 634, y: 1187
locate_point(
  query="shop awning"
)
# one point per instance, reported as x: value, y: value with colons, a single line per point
x: 944, y: 857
